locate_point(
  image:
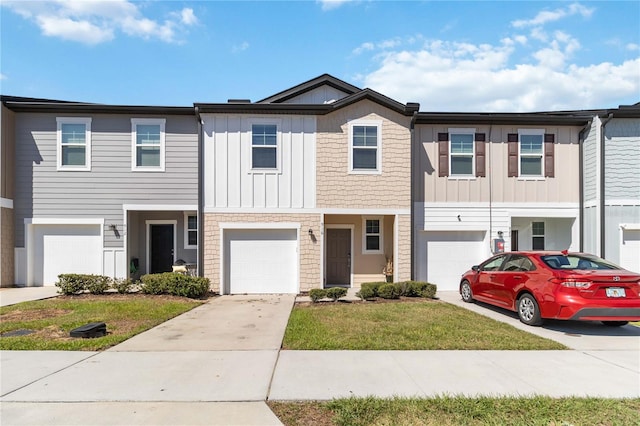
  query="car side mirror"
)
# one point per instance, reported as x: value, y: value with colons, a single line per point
x: 475, y: 268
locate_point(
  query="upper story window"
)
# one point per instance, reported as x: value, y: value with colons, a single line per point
x: 148, y: 144
x: 74, y: 143
x: 190, y: 231
x: 264, y: 146
x: 462, y: 152
x: 372, y: 235
x: 531, y: 153
x: 365, y: 150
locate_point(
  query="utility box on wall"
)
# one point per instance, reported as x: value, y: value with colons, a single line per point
x: 498, y: 245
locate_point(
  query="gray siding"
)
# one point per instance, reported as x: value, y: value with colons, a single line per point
x: 590, y: 237
x: 44, y: 192
x: 590, y: 163
x: 622, y: 159
x: 613, y: 217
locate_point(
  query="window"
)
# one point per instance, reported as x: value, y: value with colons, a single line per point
x: 74, y: 143
x: 264, y: 146
x: 537, y: 235
x: 518, y: 263
x: 531, y: 152
x: 365, y: 150
x: 493, y: 264
x: 372, y: 235
x: 148, y: 139
x: 190, y: 231
x: 461, y: 149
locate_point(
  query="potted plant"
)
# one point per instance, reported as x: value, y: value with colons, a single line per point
x: 388, y: 269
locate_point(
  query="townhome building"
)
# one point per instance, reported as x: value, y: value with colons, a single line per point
x: 97, y: 189
x: 611, y: 186
x: 308, y: 188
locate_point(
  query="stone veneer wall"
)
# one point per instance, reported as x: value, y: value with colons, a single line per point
x: 309, y: 250
x: 6, y: 248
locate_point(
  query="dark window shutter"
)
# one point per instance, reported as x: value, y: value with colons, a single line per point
x: 549, y: 147
x: 481, y: 158
x: 443, y: 154
x: 512, y: 142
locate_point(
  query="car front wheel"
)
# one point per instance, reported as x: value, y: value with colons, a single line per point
x: 465, y: 291
x: 528, y: 310
x: 615, y: 323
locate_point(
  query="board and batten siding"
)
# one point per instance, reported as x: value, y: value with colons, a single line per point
x: 319, y: 95
x: 622, y: 159
x: 44, y: 192
x: 229, y: 181
x: 562, y: 188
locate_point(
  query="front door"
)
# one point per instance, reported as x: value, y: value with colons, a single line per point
x: 338, y: 257
x: 161, y: 246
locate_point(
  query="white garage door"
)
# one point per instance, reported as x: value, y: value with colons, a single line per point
x: 261, y: 261
x: 452, y: 253
x: 65, y: 249
x: 630, y: 250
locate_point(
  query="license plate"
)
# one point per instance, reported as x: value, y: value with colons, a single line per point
x: 615, y: 292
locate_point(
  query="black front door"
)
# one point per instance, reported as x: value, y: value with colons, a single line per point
x: 161, y: 247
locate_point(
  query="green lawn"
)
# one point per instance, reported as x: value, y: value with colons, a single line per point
x: 432, y: 325
x: 461, y: 411
x: 51, y: 320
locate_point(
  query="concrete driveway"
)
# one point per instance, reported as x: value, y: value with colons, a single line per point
x: 578, y: 335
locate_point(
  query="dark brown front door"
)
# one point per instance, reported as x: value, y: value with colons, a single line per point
x: 338, y: 256
x: 161, y: 246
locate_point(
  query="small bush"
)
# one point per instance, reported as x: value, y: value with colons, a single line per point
x: 366, y: 293
x: 316, y: 294
x: 175, y: 284
x: 71, y: 283
x: 388, y: 291
x: 336, y: 293
x: 97, y: 284
x: 372, y: 288
x: 122, y: 285
x: 401, y: 288
x: 429, y: 291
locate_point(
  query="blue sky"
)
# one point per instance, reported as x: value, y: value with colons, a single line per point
x: 449, y: 56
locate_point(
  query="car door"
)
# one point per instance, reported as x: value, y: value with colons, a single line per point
x: 487, y: 273
x: 508, y: 281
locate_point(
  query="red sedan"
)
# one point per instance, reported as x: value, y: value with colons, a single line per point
x: 556, y: 285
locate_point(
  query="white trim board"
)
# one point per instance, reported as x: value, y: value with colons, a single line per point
x: 157, y: 207
x: 336, y: 211
x: 6, y: 203
x: 63, y: 221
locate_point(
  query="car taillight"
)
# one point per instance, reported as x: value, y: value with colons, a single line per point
x: 576, y: 284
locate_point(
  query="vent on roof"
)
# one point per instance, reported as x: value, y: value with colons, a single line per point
x: 239, y: 101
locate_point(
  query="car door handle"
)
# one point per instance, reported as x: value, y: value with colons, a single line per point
x: 517, y: 277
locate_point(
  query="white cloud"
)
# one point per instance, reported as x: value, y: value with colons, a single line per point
x: 241, y: 47
x: 632, y: 46
x: 546, y: 16
x: 445, y: 76
x: 332, y: 4
x: 3, y: 76
x: 97, y: 21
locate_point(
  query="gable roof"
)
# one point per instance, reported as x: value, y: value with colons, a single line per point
x: 314, y: 83
x: 576, y: 118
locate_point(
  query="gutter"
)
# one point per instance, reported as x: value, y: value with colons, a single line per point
x: 602, y: 183
x: 200, y: 194
x: 413, y: 194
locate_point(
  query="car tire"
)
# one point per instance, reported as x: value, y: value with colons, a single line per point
x: 615, y: 323
x: 528, y: 310
x: 465, y: 292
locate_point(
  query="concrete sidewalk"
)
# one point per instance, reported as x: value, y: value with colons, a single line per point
x: 13, y: 295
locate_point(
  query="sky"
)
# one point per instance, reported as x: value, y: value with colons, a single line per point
x: 479, y: 56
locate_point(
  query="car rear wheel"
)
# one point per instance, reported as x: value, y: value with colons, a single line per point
x: 465, y: 291
x: 615, y: 323
x: 528, y: 310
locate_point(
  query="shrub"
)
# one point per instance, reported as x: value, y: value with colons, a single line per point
x: 429, y: 291
x: 371, y: 288
x: 402, y: 288
x: 122, y: 285
x: 316, y: 294
x: 97, y: 284
x: 71, y: 283
x: 336, y: 293
x: 175, y: 284
x: 366, y: 293
x: 388, y: 291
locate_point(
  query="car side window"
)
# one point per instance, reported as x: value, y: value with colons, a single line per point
x: 517, y: 263
x: 493, y: 264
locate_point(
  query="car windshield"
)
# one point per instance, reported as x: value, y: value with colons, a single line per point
x: 577, y: 261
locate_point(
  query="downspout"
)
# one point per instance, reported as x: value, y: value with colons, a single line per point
x: 200, y: 195
x: 602, y: 183
x: 488, y: 155
x: 413, y: 189
x: 581, y: 180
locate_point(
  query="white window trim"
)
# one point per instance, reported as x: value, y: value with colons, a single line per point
x: 536, y: 132
x: 463, y: 131
x: 378, y: 169
x: 278, y: 124
x: 544, y: 236
x: 380, y: 220
x: 186, y: 230
x: 147, y: 121
x: 87, y: 149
